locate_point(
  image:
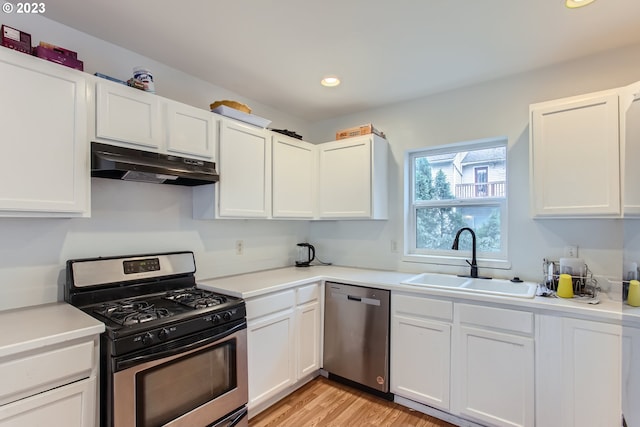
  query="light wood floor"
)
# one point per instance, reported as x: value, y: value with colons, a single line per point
x: 325, y: 403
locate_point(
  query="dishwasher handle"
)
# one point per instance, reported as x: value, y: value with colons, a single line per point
x: 363, y: 300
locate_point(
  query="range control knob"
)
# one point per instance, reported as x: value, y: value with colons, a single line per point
x: 215, y: 319
x: 147, y: 339
x: 226, y: 316
x: 163, y: 334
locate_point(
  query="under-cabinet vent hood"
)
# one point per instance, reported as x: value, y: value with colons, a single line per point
x: 110, y: 161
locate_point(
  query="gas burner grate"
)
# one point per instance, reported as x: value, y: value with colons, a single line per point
x: 131, y: 312
x: 195, y: 298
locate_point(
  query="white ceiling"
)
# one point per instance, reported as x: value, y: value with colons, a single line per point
x: 276, y: 51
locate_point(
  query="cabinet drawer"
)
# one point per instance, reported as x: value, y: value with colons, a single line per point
x: 70, y: 406
x: 496, y: 318
x: 307, y: 294
x: 421, y: 307
x: 272, y: 303
x: 43, y: 371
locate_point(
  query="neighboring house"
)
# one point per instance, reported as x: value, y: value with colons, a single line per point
x: 472, y: 174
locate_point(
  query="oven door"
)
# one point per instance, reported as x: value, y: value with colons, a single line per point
x: 195, y: 387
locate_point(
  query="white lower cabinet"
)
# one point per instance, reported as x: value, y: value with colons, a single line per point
x: 270, y: 345
x: 308, y: 332
x: 283, y: 343
x: 473, y: 361
x: 54, y: 385
x: 631, y: 375
x: 420, y: 349
x: 493, y: 368
x: 71, y: 406
x: 578, y: 372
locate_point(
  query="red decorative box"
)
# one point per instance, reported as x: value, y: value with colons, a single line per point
x: 59, y: 55
x: 16, y: 39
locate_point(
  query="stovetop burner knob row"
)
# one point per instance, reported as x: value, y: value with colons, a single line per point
x: 217, y: 318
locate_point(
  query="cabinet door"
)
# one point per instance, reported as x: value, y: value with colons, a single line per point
x: 495, y: 374
x: 574, y: 155
x: 345, y: 179
x: 630, y: 145
x: 127, y: 115
x: 591, y: 363
x: 308, y: 341
x: 71, y: 406
x: 631, y: 375
x: 190, y: 131
x: 420, y: 360
x: 271, y: 356
x: 244, y: 168
x: 43, y: 134
x: 294, y: 172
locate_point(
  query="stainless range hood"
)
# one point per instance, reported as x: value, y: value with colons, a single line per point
x: 110, y: 161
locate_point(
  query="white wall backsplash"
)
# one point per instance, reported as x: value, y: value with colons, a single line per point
x: 495, y: 108
x: 134, y: 218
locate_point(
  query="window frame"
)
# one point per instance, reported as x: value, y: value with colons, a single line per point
x: 411, y: 253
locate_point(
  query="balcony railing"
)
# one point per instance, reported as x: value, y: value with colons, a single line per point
x: 483, y: 189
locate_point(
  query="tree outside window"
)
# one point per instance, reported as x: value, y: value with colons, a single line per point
x: 455, y: 188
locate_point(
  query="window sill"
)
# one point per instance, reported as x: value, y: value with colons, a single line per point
x: 497, y: 264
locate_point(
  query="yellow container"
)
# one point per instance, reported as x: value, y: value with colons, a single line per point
x: 633, y: 298
x: 565, y: 286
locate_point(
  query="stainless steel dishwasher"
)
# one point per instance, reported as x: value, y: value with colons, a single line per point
x: 356, y: 335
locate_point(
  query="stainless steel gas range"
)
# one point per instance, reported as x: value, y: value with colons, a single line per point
x: 172, y: 354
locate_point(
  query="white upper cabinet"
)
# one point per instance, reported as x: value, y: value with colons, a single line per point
x: 127, y: 115
x: 131, y: 117
x: 575, y: 156
x: 43, y: 135
x: 294, y: 177
x: 630, y: 146
x: 353, y: 178
x: 244, y: 188
x: 190, y: 131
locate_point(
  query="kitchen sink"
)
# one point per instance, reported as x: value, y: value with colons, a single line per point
x: 437, y: 280
x: 466, y: 284
x: 502, y: 287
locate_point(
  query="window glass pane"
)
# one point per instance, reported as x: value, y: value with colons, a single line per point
x: 460, y: 175
x: 436, y: 227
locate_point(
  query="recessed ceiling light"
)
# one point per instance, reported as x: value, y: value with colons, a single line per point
x: 572, y: 4
x: 330, y: 81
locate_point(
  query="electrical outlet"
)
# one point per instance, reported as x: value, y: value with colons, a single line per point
x: 571, y: 251
x: 239, y: 247
x: 394, y: 246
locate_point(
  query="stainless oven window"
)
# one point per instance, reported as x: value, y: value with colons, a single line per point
x: 169, y: 390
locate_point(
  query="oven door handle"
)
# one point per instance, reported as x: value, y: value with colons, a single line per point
x: 127, y: 361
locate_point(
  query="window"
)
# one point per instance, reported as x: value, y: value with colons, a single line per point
x: 455, y: 186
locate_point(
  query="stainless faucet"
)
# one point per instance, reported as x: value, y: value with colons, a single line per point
x: 473, y: 264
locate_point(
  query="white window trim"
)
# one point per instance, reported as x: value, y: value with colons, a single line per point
x: 454, y: 258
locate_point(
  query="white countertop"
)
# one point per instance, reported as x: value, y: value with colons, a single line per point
x: 29, y: 328
x: 259, y: 283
